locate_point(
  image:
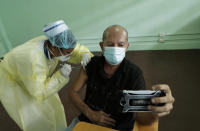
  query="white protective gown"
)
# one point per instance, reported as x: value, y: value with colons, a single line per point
x: 28, y: 86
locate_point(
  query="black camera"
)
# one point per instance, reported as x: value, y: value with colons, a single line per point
x: 138, y: 101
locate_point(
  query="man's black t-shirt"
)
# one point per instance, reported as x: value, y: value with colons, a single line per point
x: 101, y: 90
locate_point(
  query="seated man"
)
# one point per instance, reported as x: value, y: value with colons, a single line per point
x: 107, y: 74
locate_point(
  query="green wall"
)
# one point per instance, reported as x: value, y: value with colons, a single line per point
x: 145, y: 20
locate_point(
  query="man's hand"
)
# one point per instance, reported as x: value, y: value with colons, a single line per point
x: 101, y: 118
x: 168, y: 100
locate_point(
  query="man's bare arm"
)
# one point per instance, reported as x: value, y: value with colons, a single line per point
x: 73, y: 93
x: 146, y: 118
x: 98, y: 117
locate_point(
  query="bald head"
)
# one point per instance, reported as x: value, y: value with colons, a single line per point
x: 115, y: 30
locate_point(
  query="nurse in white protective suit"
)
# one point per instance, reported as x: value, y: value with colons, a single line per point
x: 29, y: 85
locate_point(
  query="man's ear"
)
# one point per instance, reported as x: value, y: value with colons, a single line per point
x: 127, y: 46
x: 101, y: 45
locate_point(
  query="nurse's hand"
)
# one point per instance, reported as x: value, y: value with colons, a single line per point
x: 168, y: 100
x: 66, y: 70
x: 101, y: 118
x: 85, y: 59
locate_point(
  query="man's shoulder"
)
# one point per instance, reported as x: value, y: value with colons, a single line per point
x: 93, y: 64
x: 96, y: 59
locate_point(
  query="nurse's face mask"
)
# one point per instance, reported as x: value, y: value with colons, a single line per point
x: 63, y: 58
